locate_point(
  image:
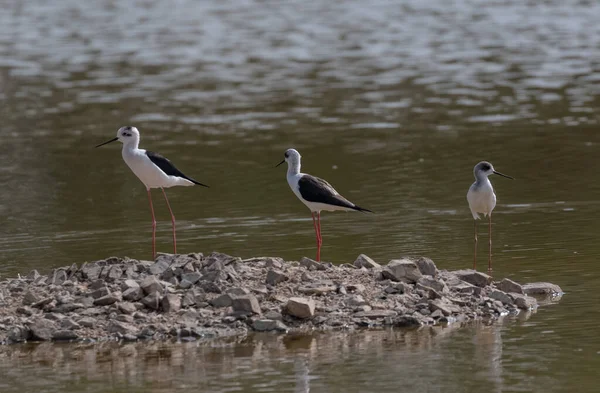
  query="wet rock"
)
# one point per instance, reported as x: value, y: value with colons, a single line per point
x: 31, y: 297
x: 274, y: 277
x: 402, y: 270
x: 152, y: 300
x: 245, y: 303
x: 508, y: 285
x: 19, y: 334
x: 311, y: 264
x: 501, y: 296
x: 170, y: 303
x: 375, y: 314
x: 524, y: 302
x: 302, y: 308
x: 133, y: 294
x: 474, y: 277
x: 265, y: 325
x: 426, y: 266
x: 108, y: 299
x: 121, y: 328
x: 221, y: 301
x: 42, y: 329
x: 366, y: 262
x: 151, y: 284
x: 64, y: 335
x: 542, y: 289
x: 127, y: 308
x: 318, y: 288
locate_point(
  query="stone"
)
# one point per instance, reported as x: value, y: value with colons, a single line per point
x: 272, y: 314
x: 508, y: 285
x: 524, y: 302
x: 43, y: 302
x: 108, y: 299
x: 437, y: 314
x: 189, y: 299
x: 355, y: 301
x: 64, y: 335
x: 170, y: 303
x: 31, y: 297
x: 69, y: 324
x: 358, y: 288
x: 90, y: 271
x: 42, y: 329
x: 444, y: 307
x: 152, y: 300
x: 302, y: 308
x: 158, y: 267
x: 265, y: 325
x: 237, y: 291
x: 402, y: 270
x: 192, y: 277
x: 245, y: 303
x: 375, y: 314
x: 465, y: 288
x: 311, y: 264
x: 274, y: 262
x: 501, y: 296
x: 542, y: 289
x: 318, y: 287
x: 221, y: 301
x: 133, y: 294
x: 128, y: 284
x: 59, y: 276
x: 430, y: 282
x: 19, y: 334
x: 210, y: 287
x: 33, y: 275
x: 100, y: 292
x: 27, y: 311
x: 426, y: 266
x: 127, y: 308
x: 274, y: 277
x: 366, y: 262
x: 473, y: 277
x: 88, y: 322
x: 121, y: 328
x: 151, y: 284
x: 114, y: 273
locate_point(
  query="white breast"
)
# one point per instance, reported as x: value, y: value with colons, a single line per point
x: 482, y: 199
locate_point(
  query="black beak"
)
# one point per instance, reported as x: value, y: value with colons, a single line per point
x: 107, y: 142
x: 280, y: 163
x: 502, y: 174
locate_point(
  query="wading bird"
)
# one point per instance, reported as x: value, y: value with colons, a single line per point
x: 154, y: 170
x: 482, y: 199
x: 315, y: 193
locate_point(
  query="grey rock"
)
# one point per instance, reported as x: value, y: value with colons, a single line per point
x: 501, y: 296
x: 465, y: 288
x: 189, y: 299
x: 524, y: 302
x: 31, y: 297
x: 426, y: 266
x: 90, y: 271
x: 366, y: 262
x: 43, y: 302
x: 274, y: 262
x: 245, y: 303
x: 59, y: 276
x: 437, y: 314
x: 299, y: 307
x: 406, y: 321
x: 273, y: 315
x: 401, y: 270
x: 27, y: 311
x: 508, y: 285
x: 473, y: 277
x: 19, y: 334
x: 542, y: 289
x: 355, y: 301
x: 311, y: 264
x: 69, y: 324
x: 438, y: 285
x: 158, y: 267
x: 127, y: 308
x: 124, y: 318
x: 213, y: 276
x: 64, y: 335
x: 129, y: 284
x: 274, y: 277
x: 192, y: 277
x: 357, y: 288
x: 33, y: 275
x: 133, y: 294
x: 151, y: 284
x: 210, y: 287
x: 108, y: 299
x: 221, y: 301
x: 121, y: 328
x: 42, y: 329
x: 443, y: 306
x: 237, y: 291
x: 88, y: 322
x: 114, y: 273
x: 265, y: 325
x: 375, y: 314
x: 100, y: 292
x: 170, y: 303
x: 152, y: 300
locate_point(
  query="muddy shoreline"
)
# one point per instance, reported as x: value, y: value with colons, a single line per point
x: 194, y: 296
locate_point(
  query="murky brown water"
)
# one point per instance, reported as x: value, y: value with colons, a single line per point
x: 392, y: 102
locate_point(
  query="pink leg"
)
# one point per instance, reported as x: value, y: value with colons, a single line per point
x: 153, y: 226
x: 320, y: 237
x: 317, y: 234
x: 490, y: 253
x: 172, y: 222
x: 475, y: 253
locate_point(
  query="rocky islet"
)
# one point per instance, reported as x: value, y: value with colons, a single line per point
x: 195, y: 296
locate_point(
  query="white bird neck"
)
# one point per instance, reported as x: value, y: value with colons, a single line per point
x: 482, y: 180
x: 293, y: 167
x: 131, y: 145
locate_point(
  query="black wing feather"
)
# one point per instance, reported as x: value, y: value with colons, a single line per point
x: 167, y: 167
x: 314, y: 189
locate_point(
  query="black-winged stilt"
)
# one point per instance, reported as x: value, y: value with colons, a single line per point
x: 482, y: 199
x: 315, y: 193
x: 154, y: 170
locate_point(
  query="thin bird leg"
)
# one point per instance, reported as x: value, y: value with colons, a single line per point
x: 153, y: 226
x: 172, y: 221
x: 319, y: 223
x: 316, y: 233
x: 475, y: 253
x: 490, y: 254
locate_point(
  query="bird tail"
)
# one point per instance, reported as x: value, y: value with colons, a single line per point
x: 362, y: 209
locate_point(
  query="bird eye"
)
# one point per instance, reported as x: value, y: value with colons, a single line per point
x: 287, y: 155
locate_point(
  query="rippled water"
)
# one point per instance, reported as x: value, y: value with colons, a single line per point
x: 392, y: 102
